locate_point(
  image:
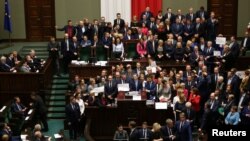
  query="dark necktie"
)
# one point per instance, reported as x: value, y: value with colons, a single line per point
x: 136, y: 85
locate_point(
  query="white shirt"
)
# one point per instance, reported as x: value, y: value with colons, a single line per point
x: 81, y: 104
x: 118, y: 48
x: 245, y: 42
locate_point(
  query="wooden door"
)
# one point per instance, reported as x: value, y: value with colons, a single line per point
x: 226, y: 11
x: 40, y: 19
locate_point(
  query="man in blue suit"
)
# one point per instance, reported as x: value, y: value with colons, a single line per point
x: 150, y: 87
x: 183, y: 129
x: 177, y: 28
x: 144, y: 133
x: 135, y: 84
x: 151, y: 47
x: 110, y: 89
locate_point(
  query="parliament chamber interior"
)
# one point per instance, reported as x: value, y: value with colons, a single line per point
x: 115, y: 70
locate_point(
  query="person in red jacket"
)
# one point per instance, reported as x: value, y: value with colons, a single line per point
x: 194, y: 98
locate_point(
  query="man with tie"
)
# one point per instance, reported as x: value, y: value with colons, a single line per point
x: 147, y: 13
x: 110, y: 89
x: 183, y: 129
x: 245, y: 44
x: 17, y: 108
x: 151, y: 46
x: 191, y: 16
x: 75, y: 48
x: 190, y: 114
x: 150, y: 87
x: 73, y: 116
x: 144, y: 133
x: 177, y: 28
x: 66, y: 51
x: 119, y: 21
x: 135, y: 85
x: 168, y: 131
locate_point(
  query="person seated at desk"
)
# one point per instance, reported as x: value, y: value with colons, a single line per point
x: 179, y: 53
x: 4, y: 67
x: 169, y: 49
x: 150, y: 88
x: 39, y: 63
x: 10, y: 61
x: 118, y: 48
x: 25, y: 67
x: 92, y: 85
x: 85, y: 42
x: 16, y: 57
x: 18, y: 108
x: 135, y: 84
x: 145, y: 134
x: 120, y: 134
x: 110, y: 89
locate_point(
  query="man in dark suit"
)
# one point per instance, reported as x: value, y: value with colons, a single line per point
x: 152, y: 25
x: 147, y: 13
x: 151, y: 46
x: 190, y: 114
x: 190, y: 83
x: 243, y: 100
x: 75, y: 45
x: 202, y: 13
x: 214, y: 79
x: 191, y: 15
x: 53, y: 48
x: 212, y: 25
x: 177, y: 28
x: 227, y: 58
x: 183, y: 129
x: 245, y: 44
x: 214, y: 105
x: 110, y: 89
x: 66, y: 51
x: 40, y: 110
x: 119, y: 21
x: 135, y: 84
x: 10, y: 60
x: 4, y: 67
x: 133, y: 135
x: 144, y: 133
x: 234, y: 47
x: 73, y: 116
x: 179, y: 15
x: 107, y: 43
x: 209, y: 55
x: 169, y: 15
x: 199, y: 29
x: 188, y: 30
x: 69, y: 29
x: 81, y: 30
x: 168, y: 131
x: 150, y: 87
x: 18, y: 108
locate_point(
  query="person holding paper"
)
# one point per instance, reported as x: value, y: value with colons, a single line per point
x: 150, y: 87
x: 18, y: 108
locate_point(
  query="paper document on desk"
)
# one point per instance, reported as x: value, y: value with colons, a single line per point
x: 136, y: 97
x: 57, y: 136
x: 128, y: 59
x: 123, y: 87
x: 161, y: 105
x: 30, y: 111
x: 98, y: 90
x: 131, y: 93
x: 2, y: 108
x: 23, y: 137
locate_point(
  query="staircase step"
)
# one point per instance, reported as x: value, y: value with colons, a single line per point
x: 57, y: 98
x: 56, y: 115
x: 36, y: 49
x: 60, y: 87
x: 57, y: 104
x: 58, y: 92
x: 56, y: 109
x: 61, y: 77
x: 60, y: 81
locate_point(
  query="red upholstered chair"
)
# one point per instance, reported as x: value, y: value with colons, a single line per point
x: 121, y: 95
x: 143, y: 95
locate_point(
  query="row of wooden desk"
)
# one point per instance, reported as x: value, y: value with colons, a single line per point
x: 91, y: 70
x: 102, y: 122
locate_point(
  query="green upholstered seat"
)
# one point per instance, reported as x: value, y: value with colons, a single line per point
x: 85, y: 53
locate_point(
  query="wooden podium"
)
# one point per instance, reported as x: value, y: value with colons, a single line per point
x: 121, y: 95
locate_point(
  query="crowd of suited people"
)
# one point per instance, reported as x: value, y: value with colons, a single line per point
x: 207, y: 93
x: 13, y: 62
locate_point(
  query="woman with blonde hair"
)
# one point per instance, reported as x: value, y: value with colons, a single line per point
x: 180, y: 105
x: 156, y: 132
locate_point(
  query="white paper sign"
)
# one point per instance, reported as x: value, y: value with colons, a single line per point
x: 220, y: 40
x: 30, y: 111
x: 57, y: 136
x: 217, y: 53
x: 161, y: 105
x: 2, y: 108
x: 133, y: 93
x: 27, y: 118
x: 98, y: 90
x: 136, y: 97
x: 123, y: 87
